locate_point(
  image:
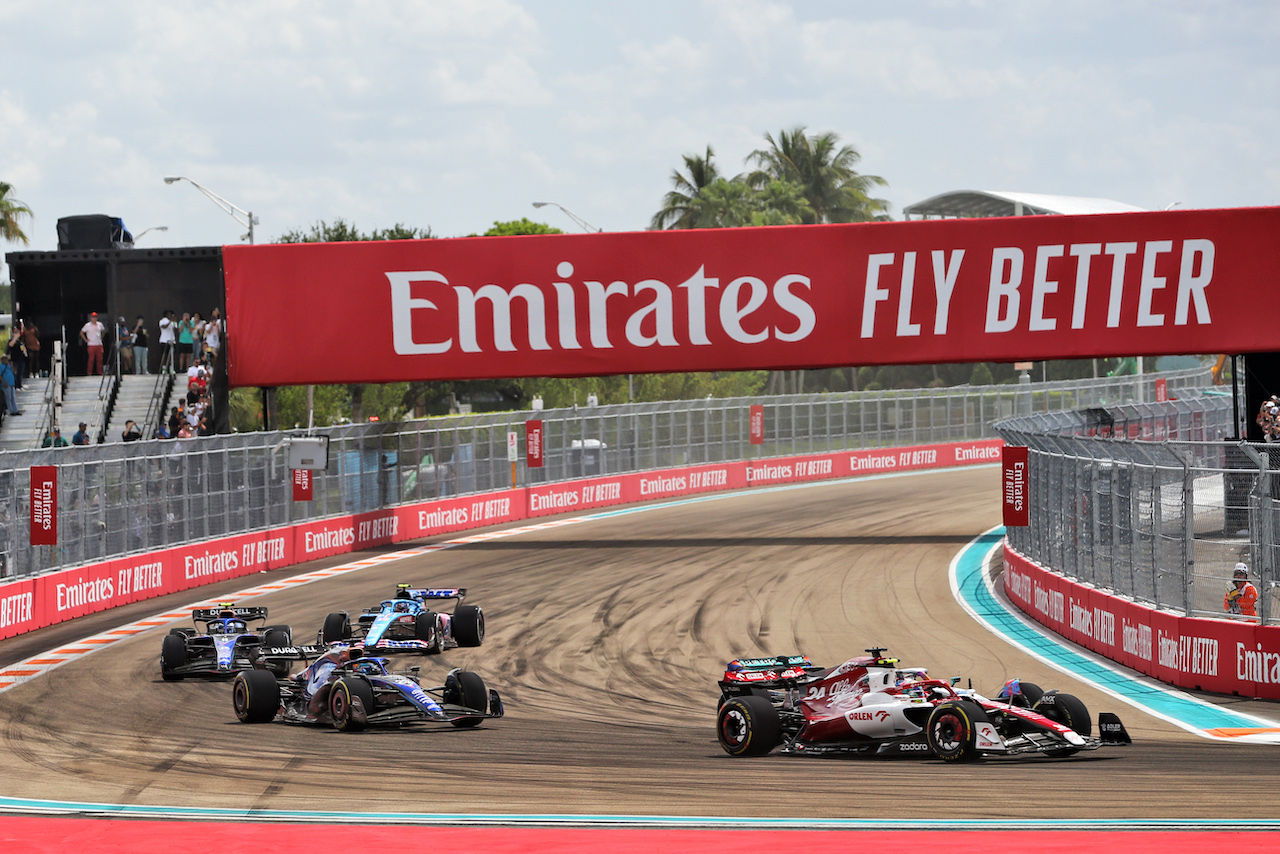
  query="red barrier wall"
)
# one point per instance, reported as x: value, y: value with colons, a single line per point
x: 1225, y: 656
x: 33, y: 603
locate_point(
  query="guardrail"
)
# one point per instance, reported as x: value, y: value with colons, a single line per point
x: 122, y: 499
x: 1162, y: 517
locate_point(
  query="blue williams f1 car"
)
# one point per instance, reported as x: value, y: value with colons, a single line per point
x: 410, y: 621
x: 343, y: 688
x: 226, y: 645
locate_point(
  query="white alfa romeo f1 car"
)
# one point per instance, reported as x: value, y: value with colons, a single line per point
x: 871, y: 706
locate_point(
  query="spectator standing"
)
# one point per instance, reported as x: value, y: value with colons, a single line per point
x: 167, y: 339
x: 184, y: 341
x: 7, y: 381
x: 54, y: 439
x: 213, y: 334
x: 17, y: 353
x: 1242, y: 598
x: 81, y: 436
x: 31, y: 338
x: 124, y: 346
x: 91, y: 334
x: 131, y: 432
x: 197, y: 338
x: 140, y: 346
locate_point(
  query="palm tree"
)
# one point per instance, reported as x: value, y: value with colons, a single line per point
x: 824, y: 171
x: 11, y: 211
x: 679, y: 209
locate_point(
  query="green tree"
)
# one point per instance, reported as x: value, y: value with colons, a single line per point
x: 12, y: 211
x: 340, y: 231
x: 824, y: 171
x: 678, y: 205
x: 520, y: 226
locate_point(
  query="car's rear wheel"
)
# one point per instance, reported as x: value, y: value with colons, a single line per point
x: 337, y: 627
x: 468, y: 625
x: 1066, y: 709
x: 173, y: 654
x: 748, y: 726
x: 276, y: 637
x: 342, y: 703
x: 952, y: 730
x: 466, y: 689
x: 255, y: 695
x: 426, y: 628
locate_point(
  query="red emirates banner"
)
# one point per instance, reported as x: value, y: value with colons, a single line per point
x: 1000, y: 289
x: 302, y: 485
x: 44, y: 505
x: 1162, y: 391
x: 757, y: 424
x: 533, y: 444
x: 1017, y: 505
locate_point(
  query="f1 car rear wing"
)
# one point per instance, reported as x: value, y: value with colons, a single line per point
x: 777, y: 669
x: 208, y: 615
x: 405, y: 591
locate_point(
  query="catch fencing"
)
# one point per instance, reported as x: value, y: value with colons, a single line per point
x: 1155, y: 502
x: 125, y: 498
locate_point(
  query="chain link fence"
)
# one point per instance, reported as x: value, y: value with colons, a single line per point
x: 123, y: 498
x: 1154, y: 502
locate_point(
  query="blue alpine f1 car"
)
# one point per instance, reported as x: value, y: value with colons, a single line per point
x: 410, y: 621
x: 344, y: 688
x: 221, y: 645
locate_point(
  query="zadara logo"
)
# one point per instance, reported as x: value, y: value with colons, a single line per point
x: 431, y: 316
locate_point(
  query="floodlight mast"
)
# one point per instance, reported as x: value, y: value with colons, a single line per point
x: 237, y: 213
x: 582, y: 223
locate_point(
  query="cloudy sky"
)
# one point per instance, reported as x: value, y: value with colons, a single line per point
x: 452, y: 115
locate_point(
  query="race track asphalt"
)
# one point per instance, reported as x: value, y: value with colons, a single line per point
x: 606, y: 639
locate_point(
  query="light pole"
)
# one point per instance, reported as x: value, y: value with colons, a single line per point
x: 139, y: 235
x: 239, y: 214
x: 582, y: 223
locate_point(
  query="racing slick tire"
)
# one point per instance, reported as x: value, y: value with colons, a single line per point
x: 255, y: 695
x: 1029, y: 694
x: 748, y: 725
x: 1066, y: 709
x: 337, y: 627
x: 468, y: 625
x: 466, y: 689
x: 183, y: 633
x: 953, y: 729
x: 274, y: 637
x: 341, y: 705
x: 173, y: 654
x: 426, y: 628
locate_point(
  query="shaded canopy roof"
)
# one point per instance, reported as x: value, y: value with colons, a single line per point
x: 969, y: 203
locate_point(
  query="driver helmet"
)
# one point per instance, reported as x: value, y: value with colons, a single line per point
x: 402, y: 607
x: 368, y: 666
x: 1241, y: 573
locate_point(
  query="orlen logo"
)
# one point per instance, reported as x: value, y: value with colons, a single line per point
x: 742, y: 310
x: 879, y: 715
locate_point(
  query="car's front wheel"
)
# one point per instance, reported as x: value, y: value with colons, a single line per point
x: 342, y: 703
x: 255, y: 695
x: 748, y: 725
x: 1066, y: 709
x: 466, y: 689
x: 173, y: 654
x: 337, y: 627
x: 953, y: 730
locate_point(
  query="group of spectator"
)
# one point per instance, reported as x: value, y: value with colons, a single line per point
x: 182, y: 343
x: 1269, y: 419
x: 193, y: 415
